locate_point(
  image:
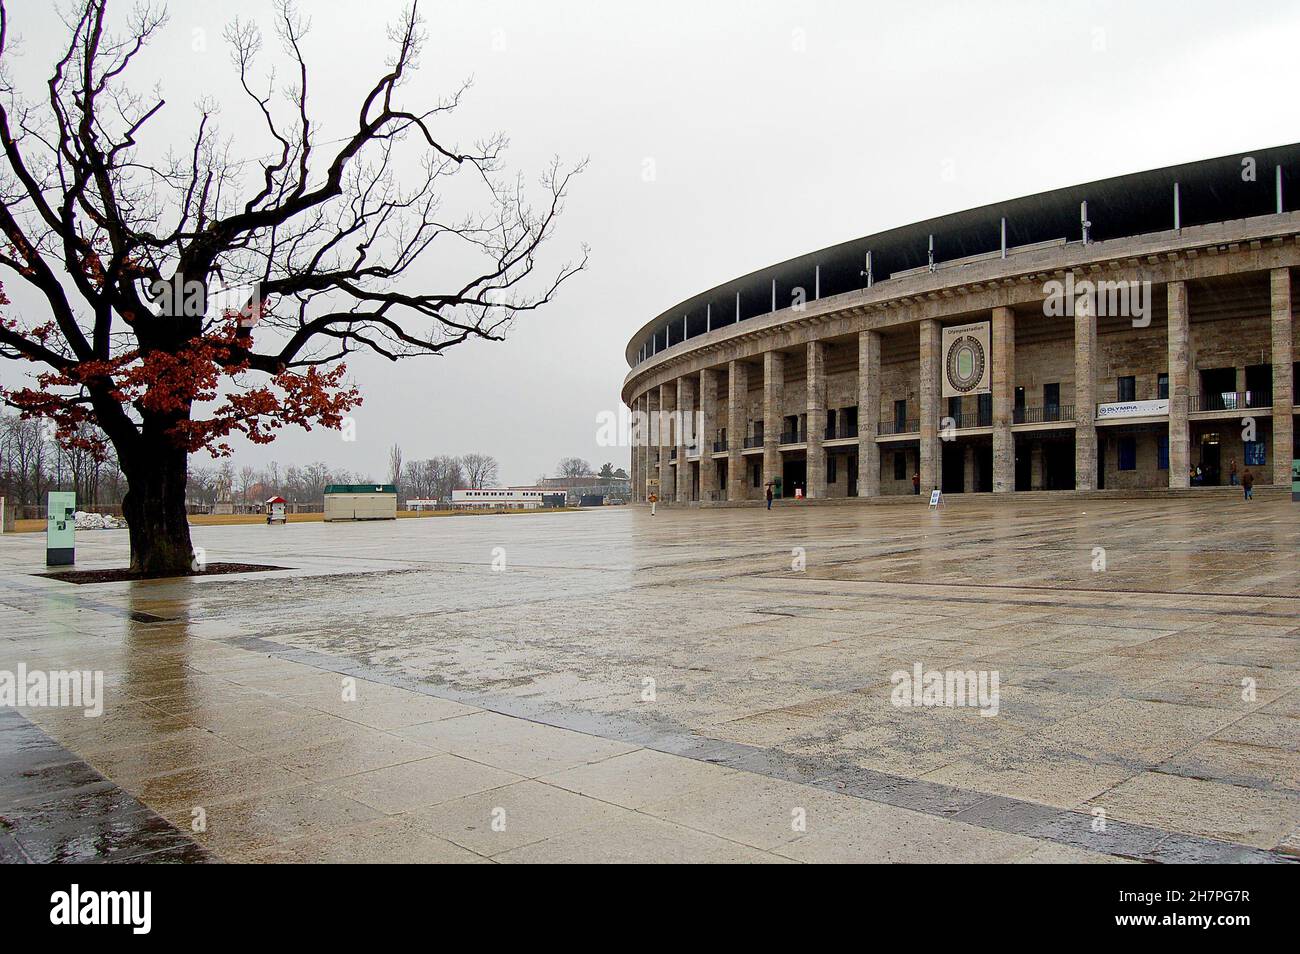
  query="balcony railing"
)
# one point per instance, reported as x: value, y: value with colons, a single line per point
x: 1046, y: 414
x: 912, y: 426
x: 1229, y: 400
x: 753, y: 441
x: 973, y: 420
x: 672, y: 453
x: 843, y: 431
x: 792, y: 437
x: 719, y: 446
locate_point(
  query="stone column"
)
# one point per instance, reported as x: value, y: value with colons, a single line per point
x: 968, y: 471
x: 737, y: 422
x: 1004, y: 400
x: 667, y: 397
x: 635, y: 468
x: 651, y: 468
x: 773, y: 404
x: 868, y: 413
x: 1283, y: 398
x: 1036, y: 466
x: 708, y: 431
x: 931, y: 446
x: 1085, y: 398
x: 816, y: 419
x: 647, y: 449
x: 1180, y: 450
x: 685, y: 436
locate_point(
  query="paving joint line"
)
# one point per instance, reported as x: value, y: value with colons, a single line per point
x: 1064, y: 826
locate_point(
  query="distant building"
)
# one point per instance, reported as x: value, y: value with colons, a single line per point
x: 491, y: 498
x: 590, y: 486
x: 360, y: 502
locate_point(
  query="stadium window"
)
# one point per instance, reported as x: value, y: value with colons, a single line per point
x: 1162, y: 389
x: 1126, y: 388
x: 900, y: 466
x: 1162, y: 454
x: 1128, y: 453
x: 830, y: 469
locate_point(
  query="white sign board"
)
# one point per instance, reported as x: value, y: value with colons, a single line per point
x: 1116, y: 409
x: 966, y: 351
x: 936, y: 498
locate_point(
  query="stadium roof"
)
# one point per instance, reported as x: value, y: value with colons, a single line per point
x: 1209, y: 190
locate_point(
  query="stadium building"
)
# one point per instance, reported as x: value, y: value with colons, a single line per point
x: 1126, y: 335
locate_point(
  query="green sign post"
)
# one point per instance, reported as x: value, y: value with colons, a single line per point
x: 1295, y: 480
x: 59, y: 527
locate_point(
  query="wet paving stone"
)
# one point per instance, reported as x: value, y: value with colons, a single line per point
x: 769, y: 682
x: 57, y: 809
x: 1118, y: 838
x: 1008, y: 814
x: 932, y: 798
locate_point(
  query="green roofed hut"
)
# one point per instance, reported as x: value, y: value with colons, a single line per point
x: 360, y: 502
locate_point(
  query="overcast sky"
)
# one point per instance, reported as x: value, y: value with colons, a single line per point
x: 773, y: 128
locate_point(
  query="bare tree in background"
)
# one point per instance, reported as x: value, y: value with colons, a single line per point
x: 314, y: 242
x: 480, y: 470
x: 573, y: 467
x: 247, y: 478
x: 445, y: 474
x: 394, y: 464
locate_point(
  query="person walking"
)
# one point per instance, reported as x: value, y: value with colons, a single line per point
x: 1232, y: 471
x: 916, y: 484
x: 1247, y: 485
x: 769, y: 496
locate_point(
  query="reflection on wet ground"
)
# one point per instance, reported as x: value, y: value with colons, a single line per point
x: 56, y: 808
x: 701, y: 685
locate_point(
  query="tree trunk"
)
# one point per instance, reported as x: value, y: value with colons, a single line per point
x: 154, y: 508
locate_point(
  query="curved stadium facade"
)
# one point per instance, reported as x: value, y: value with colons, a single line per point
x: 1128, y: 334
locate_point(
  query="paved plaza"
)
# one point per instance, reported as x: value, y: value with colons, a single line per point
x: 701, y: 685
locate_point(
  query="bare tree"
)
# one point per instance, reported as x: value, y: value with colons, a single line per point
x: 480, y: 470
x: 573, y: 467
x: 445, y: 474
x: 174, y: 281
x: 247, y: 476
x: 394, y: 464
x: 413, y: 485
